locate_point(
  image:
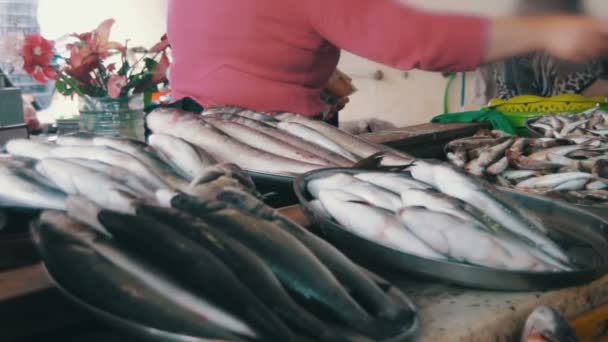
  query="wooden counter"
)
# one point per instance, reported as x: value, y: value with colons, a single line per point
x: 447, y: 313
x: 426, y: 140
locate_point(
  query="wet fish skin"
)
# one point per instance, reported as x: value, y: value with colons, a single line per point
x: 145, y: 154
x: 79, y: 138
x: 250, y: 268
x: 29, y: 148
x: 195, y: 267
x: 573, y: 185
x: 487, y: 157
x: 355, y: 145
x: 310, y: 279
x: 481, y: 195
x: 519, y: 174
x: 498, y: 167
x: 266, y: 142
x: 139, y: 185
x: 189, y: 159
x: 526, y: 163
x: 458, y: 158
x: 393, y: 182
x: 20, y: 189
x: 560, y: 150
x: 116, y: 291
x: 553, y: 180
x: 213, y: 318
x: 354, y: 214
x: 112, y: 157
x: 454, y: 237
x: 310, y: 135
x: 438, y: 202
x: 264, y: 127
x: 371, y: 193
x: 190, y: 128
x: 349, y: 274
x: 74, y: 179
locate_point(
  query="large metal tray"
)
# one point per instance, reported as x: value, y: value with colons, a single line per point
x: 152, y: 334
x: 586, y: 232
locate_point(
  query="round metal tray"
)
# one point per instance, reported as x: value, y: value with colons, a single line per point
x: 586, y: 232
x: 156, y: 335
x: 276, y: 189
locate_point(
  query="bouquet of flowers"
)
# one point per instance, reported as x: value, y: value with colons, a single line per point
x: 90, y: 68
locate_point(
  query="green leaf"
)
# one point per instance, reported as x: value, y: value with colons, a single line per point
x: 150, y: 63
x: 124, y: 68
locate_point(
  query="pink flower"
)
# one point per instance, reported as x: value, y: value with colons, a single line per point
x: 93, y: 47
x: 115, y: 85
x: 162, y: 45
x: 111, y: 67
x: 160, y: 72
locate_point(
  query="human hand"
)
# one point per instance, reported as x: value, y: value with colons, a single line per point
x: 333, y: 110
x: 575, y: 38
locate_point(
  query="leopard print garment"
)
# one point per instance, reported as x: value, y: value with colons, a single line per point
x: 541, y: 75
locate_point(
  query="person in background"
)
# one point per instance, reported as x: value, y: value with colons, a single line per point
x: 540, y: 73
x: 277, y: 55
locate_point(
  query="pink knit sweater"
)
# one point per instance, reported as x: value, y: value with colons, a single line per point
x: 276, y: 55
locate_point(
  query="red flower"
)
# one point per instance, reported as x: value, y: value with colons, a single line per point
x: 41, y: 73
x: 115, y: 85
x: 37, y: 50
x: 162, y: 45
x: 111, y: 67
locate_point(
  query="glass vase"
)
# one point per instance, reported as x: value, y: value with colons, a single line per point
x: 123, y: 116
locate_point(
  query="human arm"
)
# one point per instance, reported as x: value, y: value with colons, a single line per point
x: 404, y: 37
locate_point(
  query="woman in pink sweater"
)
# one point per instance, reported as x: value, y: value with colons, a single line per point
x: 277, y: 55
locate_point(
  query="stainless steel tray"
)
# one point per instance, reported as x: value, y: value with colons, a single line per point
x: 586, y: 235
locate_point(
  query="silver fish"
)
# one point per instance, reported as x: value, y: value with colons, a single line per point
x: 264, y: 127
x: 318, y: 207
x: 499, y: 167
x: 373, y: 223
x: 18, y: 189
x: 573, y: 185
x: 147, y: 155
x: 112, y: 157
x: 310, y: 135
x: 74, y: 179
x: 265, y: 141
x: 487, y: 157
x: 139, y: 185
x: 560, y: 150
x: 190, y: 128
x: 189, y: 159
x: 371, y: 193
x: 519, y: 174
x: 29, y: 148
x: 438, y: 202
x: 553, y: 180
x: 458, y: 158
x: 454, y: 237
x: 355, y: 145
x: 596, y: 185
x: 568, y: 128
x: 393, y: 182
x: 485, y: 198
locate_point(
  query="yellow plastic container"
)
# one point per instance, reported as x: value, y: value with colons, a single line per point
x: 521, y: 108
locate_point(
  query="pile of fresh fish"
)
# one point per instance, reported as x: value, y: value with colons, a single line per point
x: 592, y: 122
x: 574, y: 169
x: 163, y: 236
x: 109, y: 171
x: 286, y: 144
x: 221, y: 266
x: 437, y: 212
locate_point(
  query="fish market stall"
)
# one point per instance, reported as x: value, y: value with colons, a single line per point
x: 446, y: 313
x: 125, y: 219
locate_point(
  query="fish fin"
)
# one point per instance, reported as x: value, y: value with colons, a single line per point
x: 374, y: 162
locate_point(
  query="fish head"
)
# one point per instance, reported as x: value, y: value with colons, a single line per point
x: 240, y: 199
x: 545, y: 324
